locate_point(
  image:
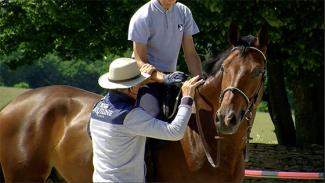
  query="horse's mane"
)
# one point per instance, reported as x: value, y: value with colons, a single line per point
x: 212, y: 66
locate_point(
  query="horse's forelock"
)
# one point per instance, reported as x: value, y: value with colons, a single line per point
x: 247, y: 41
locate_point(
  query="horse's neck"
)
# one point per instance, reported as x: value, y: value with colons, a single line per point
x: 211, y: 90
x: 206, y: 101
x: 193, y: 147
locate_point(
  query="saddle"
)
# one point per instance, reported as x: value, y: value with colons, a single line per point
x: 170, y: 102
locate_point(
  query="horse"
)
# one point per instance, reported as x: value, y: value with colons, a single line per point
x: 215, y: 144
x: 46, y: 128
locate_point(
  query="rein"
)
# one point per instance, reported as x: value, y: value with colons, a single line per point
x: 206, y: 146
x: 250, y: 102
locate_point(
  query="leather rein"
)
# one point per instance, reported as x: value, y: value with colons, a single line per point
x: 250, y: 102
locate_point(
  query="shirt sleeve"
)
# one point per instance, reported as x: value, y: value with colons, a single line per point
x: 141, y: 123
x: 147, y: 100
x: 138, y: 29
x: 190, y: 27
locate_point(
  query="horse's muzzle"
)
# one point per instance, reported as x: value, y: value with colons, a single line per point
x: 227, y: 123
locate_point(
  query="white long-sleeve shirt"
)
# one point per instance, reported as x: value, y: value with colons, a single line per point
x: 119, y: 146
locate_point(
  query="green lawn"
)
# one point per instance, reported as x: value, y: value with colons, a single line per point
x: 8, y: 93
x: 263, y: 129
x: 262, y: 132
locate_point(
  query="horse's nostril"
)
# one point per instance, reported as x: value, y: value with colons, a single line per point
x: 231, y: 119
x: 242, y: 114
x: 218, y: 116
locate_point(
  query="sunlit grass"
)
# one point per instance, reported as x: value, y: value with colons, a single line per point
x: 8, y: 93
x: 263, y: 129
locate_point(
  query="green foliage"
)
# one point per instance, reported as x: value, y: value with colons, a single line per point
x: 262, y: 107
x: 89, y: 30
x: 299, y: 46
x: 83, y: 33
x: 52, y: 70
x: 21, y: 85
x: 296, y: 30
x: 73, y: 29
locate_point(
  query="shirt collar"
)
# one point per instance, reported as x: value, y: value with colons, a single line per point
x: 158, y: 6
x: 115, y: 96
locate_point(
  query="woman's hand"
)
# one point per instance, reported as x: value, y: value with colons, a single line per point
x: 189, y: 86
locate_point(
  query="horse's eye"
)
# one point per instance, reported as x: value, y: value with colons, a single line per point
x: 222, y: 68
x: 261, y: 72
x: 258, y: 72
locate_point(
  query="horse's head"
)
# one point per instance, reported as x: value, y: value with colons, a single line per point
x: 242, y: 79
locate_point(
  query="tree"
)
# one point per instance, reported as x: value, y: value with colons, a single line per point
x: 299, y: 50
x: 295, y: 57
x: 72, y: 29
x: 278, y: 104
x: 90, y: 30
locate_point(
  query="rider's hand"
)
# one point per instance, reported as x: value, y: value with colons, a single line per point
x: 174, y: 78
x: 147, y: 68
x: 188, y: 88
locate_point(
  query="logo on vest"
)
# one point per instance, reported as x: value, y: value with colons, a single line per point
x: 102, y: 110
x: 180, y: 27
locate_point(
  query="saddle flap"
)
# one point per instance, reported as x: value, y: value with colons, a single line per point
x: 171, y: 102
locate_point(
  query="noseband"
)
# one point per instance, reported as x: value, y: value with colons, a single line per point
x: 250, y: 102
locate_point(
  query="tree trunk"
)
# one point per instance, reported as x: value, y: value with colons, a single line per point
x: 279, y: 106
x: 309, y: 102
x: 319, y: 108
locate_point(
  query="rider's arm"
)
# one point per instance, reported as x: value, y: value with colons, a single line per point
x: 139, y: 34
x: 140, y: 54
x: 192, y: 59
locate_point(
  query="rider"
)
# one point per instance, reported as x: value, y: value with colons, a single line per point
x: 119, y: 127
x: 158, y: 29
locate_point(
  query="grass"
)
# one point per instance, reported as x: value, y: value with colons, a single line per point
x: 262, y: 131
x: 8, y: 93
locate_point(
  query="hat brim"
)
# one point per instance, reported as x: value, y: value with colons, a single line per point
x: 104, y: 82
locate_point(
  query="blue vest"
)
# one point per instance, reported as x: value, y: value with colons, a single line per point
x: 113, y: 108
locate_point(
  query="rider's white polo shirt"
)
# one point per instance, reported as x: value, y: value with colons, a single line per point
x: 162, y: 31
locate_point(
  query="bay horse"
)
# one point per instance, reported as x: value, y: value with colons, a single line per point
x: 46, y: 128
x: 215, y: 143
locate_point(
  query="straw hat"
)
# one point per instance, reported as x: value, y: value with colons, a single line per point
x: 123, y: 73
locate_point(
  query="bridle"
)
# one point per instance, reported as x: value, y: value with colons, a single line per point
x: 250, y: 102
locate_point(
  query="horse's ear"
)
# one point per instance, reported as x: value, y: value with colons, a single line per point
x: 233, y: 34
x: 262, y: 36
